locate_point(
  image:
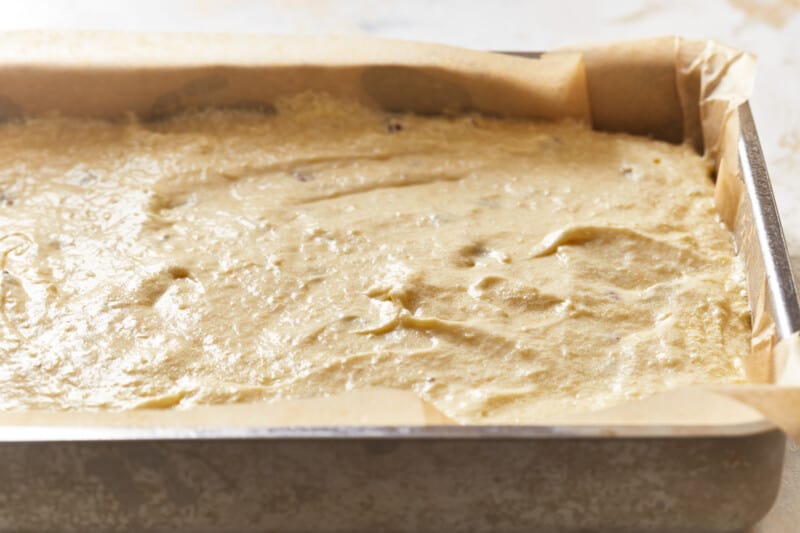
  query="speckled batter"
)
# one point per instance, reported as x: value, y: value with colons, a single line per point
x: 504, y: 270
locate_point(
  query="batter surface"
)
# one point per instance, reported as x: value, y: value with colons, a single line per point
x: 504, y: 270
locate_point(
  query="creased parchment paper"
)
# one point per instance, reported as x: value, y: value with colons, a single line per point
x: 670, y: 88
x: 372, y: 407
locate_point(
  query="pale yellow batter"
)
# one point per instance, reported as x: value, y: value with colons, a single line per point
x: 504, y: 270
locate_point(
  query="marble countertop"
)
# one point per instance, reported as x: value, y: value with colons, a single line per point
x: 768, y: 28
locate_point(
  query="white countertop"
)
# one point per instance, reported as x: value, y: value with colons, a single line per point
x: 768, y: 28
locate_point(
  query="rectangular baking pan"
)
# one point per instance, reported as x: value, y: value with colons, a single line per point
x: 449, y: 478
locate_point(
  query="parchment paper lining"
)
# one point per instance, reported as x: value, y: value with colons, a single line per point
x: 670, y: 88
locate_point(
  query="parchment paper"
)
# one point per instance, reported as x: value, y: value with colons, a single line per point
x: 373, y: 407
x: 670, y: 88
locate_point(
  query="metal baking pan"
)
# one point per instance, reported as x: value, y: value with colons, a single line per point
x: 450, y: 478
